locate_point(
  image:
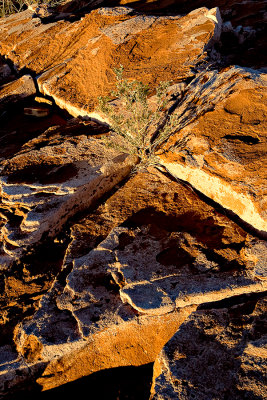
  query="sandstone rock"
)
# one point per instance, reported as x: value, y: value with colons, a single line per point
x: 243, y: 13
x: 137, y: 266
x: 152, y: 247
x: 76, y: 73
x: 179, y: 268
x: 171, y: 277
x: 216, y: 354
x: 224, y: 116
x: 127, y: 339
x: 16, y: 91
x: 39, y: 99
x: 43, y: 188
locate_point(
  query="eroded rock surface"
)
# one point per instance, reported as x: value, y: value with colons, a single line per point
x: 164, y: 249
x: 76, y: 72
x: 100, y: 267
x: 16, y: 91
x: 244, y: 31
x: 215, y: 354
x: 224, y: 116
x: 43, y: 188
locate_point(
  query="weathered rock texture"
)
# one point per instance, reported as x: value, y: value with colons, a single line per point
x: 216, y: 354
x: 224, y: 117
x: 101, y: 267
x: 16, y: 91
x: 244, y: 37
x: 124, y: 297
x: 44, y: 188
x: 76, y: 72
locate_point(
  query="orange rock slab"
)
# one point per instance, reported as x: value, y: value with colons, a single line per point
x: 224, y: 117
x: 74, y: 61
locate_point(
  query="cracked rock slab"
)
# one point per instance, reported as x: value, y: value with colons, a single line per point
x: 224, y: 117
x: 76, y: 72
x: 64, y: 343
x: 152, y: 234
x: 42, y: 188
x: 157, y: 276
x: 215, y: 354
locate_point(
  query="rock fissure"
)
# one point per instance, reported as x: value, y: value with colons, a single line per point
x: 105, y: 268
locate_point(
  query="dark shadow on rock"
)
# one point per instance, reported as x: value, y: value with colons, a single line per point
x: 18, y: 128
x: 123, y: 383
x: 205, y: 230
x: 250, y: 300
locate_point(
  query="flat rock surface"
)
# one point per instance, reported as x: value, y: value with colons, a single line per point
x: 76, y: 72
x: 224, y: 116
x: 216, y: 354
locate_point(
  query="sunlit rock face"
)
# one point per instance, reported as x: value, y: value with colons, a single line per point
x: 76, y: 72
x: 105, y: 260
x: 223, y: 115
x: 164, y: 251
x: 226, y: 345
x: 42, y: 189
x: 16, y: 91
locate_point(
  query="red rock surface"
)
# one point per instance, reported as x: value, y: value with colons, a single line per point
x: 16, y: 91
x: 117, y: 304
x: 106, y: 258
x: 76, y: 72
x: 225, y: 155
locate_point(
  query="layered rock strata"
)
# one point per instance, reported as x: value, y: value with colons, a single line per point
x: 101, y: 267
x: 44, y: 188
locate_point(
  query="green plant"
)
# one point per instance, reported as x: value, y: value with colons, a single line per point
x: 140, y: 118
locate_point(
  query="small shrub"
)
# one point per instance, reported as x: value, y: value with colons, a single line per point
x: 141, y: 119
x: 8, y: 7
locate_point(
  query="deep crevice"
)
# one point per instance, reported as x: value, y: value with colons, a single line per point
x: 243, y: 138
x: 232, y: 301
